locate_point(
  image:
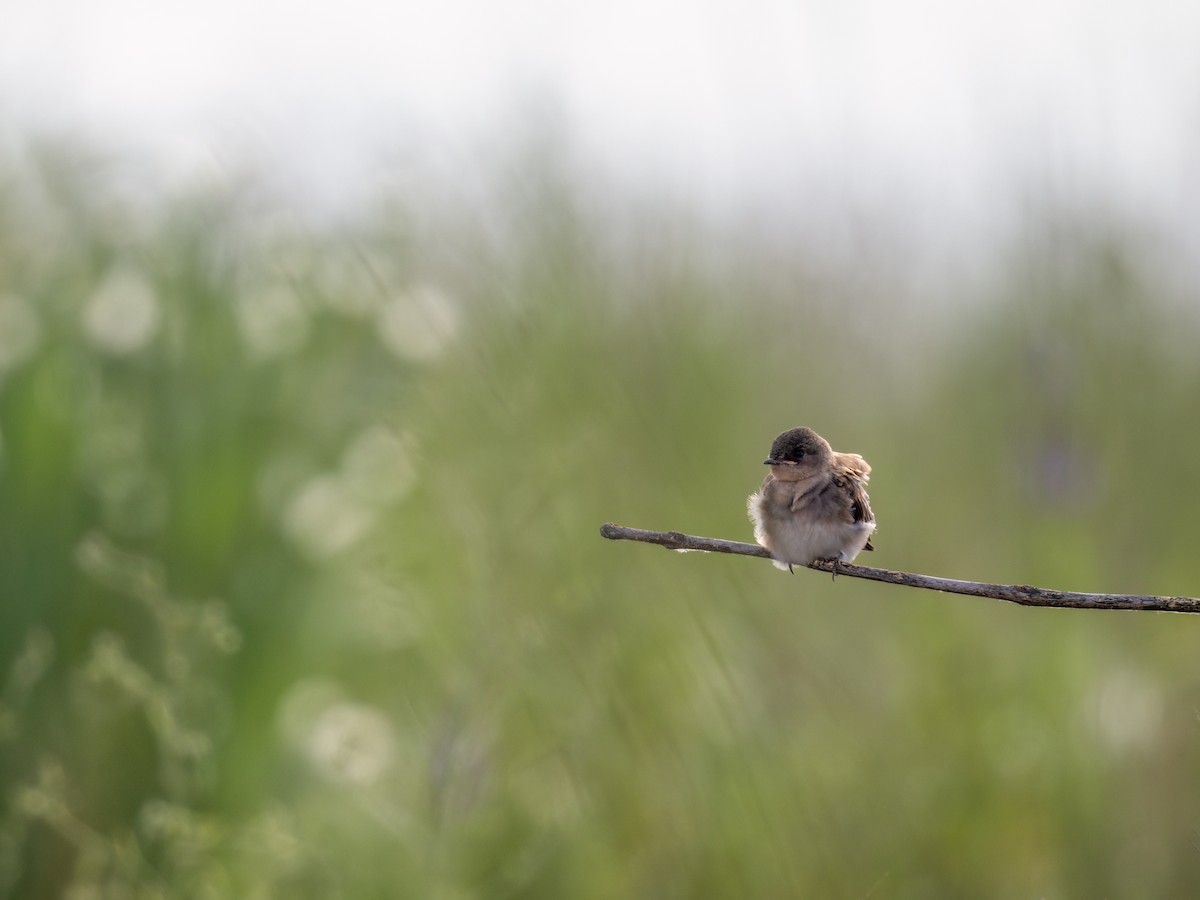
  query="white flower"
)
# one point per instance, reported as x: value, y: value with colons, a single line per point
x: 351, y: 743
x: 122, y: 314
x: 324, y: 518
x: 419, y: 325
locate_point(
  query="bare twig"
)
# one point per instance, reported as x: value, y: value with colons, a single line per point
x: 1014, y: 593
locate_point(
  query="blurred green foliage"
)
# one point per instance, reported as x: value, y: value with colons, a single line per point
x: 303, y: 593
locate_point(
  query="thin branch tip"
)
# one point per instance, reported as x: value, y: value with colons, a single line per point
x: 1022, y: 594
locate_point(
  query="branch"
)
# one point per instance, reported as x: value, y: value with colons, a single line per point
x: 1023, y: 594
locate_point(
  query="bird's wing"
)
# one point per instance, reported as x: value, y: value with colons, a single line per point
x: 854, y: 463
x: 839, y: 498
x: 848, y: 488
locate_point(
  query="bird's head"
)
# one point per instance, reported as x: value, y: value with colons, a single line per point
x: 798, y: 453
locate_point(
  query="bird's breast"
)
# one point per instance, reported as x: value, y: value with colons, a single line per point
x: 802, y: 536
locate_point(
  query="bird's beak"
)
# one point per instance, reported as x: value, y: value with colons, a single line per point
x: 770, y: 462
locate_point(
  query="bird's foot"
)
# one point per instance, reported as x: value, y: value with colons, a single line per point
x: 791, y: 571
x: 833, y: 563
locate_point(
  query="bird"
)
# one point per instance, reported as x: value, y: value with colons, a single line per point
x: 813, y: 505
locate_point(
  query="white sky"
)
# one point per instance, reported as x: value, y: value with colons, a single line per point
x: 890, y: 101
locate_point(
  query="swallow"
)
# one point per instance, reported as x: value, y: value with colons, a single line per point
x: 813, y: 506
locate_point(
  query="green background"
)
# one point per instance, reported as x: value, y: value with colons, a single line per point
x: 302, y: 591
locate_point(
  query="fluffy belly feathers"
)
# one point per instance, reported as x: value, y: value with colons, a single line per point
x: 801, y: 540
